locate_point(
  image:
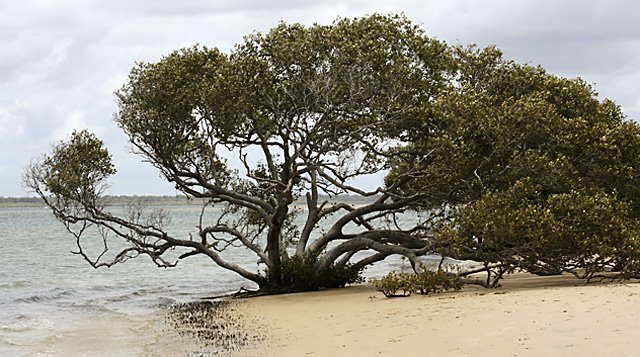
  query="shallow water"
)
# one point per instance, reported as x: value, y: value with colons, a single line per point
x: 52, y: 303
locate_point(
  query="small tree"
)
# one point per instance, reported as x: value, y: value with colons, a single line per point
x: 302, y: 111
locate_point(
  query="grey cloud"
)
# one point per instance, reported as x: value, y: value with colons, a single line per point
x: 597, y: 40
x: 198, y: 8
x: 60, y: 61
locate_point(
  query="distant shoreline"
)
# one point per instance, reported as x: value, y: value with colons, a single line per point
x: 23, y: 202
x: 17, y: 202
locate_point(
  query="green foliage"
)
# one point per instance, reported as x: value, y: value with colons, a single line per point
x: 392, y: 283
x: 303, y: 110
x: 339, y: 275
x: 523, y: 169
x: 333, y: 87
x: 577, y: 230
x: 301, y: 273
x: 77, y: 169
x: 425, y: 282
x: 534, y: 171
x: 169, y: 109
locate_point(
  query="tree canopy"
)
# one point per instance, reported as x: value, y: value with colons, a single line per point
x: 509, y: 165
x: 536, y: 172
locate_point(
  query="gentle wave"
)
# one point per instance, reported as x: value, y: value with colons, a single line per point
x: 51, y: 295
x: 15, y: 285
x: 22, y: 323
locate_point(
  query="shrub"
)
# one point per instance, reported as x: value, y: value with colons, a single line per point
x: 393, y: 282
x: 425, y: 282
x: 428, y: 281
x: 337, y: 276
x: 300, y: 273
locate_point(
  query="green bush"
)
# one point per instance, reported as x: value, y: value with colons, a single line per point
x: 428, y: 281
x: 300, y: 273
x: 393, y: 282
x: 337, y: 276
x: 425, y: 282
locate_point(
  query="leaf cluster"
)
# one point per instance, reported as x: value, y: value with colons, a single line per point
x: 322, y: 91
x: 301, y: 273
x: 77, y: 170
x: 392, y: 283
x: 425, y: 282
x: 537, y: 173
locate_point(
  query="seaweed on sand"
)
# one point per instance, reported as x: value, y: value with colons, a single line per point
x: 218, y: 326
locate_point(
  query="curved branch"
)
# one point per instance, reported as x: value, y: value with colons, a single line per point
x: 335, y: 232
x: 370, y: 260
x: 224, y: 194
x: 362, y: 243
x: 241, y: 237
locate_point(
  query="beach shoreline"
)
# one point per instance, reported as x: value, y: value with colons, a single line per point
x: 527, y: 316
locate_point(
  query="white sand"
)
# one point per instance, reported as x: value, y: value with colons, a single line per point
x: 528, y: 316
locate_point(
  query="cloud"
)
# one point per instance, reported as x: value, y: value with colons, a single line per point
x: 11, y: 127
x: 74, y: 121
x: 61, y: 61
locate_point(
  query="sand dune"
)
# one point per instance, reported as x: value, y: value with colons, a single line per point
x: 528, y: 316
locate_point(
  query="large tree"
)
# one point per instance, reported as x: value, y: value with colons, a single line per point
x: 303, y: 111
x: 511, y: 166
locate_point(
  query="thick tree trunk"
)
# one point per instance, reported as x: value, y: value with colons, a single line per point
x: 274, y: 241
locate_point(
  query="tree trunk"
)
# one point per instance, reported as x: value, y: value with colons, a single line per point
x: 273, y: 245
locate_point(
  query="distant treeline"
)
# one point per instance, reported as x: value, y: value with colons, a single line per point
x: 157, y: 200
x: 20, y: 201
x: 111, y: 200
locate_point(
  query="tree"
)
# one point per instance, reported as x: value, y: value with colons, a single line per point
x: 510, y: 166
x: 537, y: 173
x: 304, y: 110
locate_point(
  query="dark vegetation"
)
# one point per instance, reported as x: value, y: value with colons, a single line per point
x: 128, y: 200
x: 21, y: 201
x: 511, y: 166
x: 112, y: 201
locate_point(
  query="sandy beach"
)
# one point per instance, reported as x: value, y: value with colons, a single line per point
x: 527, y: 316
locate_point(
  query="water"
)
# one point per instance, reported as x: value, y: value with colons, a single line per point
x: 52, y: 303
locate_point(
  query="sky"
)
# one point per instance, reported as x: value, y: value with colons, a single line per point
x: 61, y: 60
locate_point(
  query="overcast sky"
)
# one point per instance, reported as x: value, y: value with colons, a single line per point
x: 60, y: 61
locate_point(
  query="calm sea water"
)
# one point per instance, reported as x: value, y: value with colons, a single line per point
x: 52, y: 303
